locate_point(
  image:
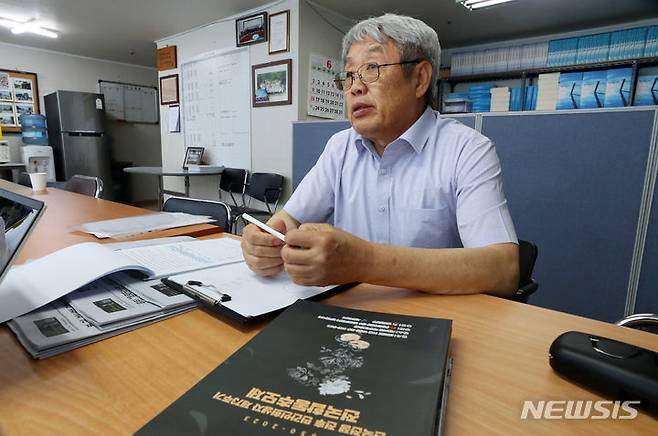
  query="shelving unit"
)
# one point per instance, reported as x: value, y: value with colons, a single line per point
x: 525, y: 75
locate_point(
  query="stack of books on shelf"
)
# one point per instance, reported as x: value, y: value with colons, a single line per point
x: 530, y: 103
x: 547, y: 94
x: 618, y: 87
x: 593, y: 89
x: 515, y: 99
x: 602, y: 47
x: 456, y: 102
x: 646, y: 92
x: 569, y: 90
x: 500, y: 99
x: 480, y: 96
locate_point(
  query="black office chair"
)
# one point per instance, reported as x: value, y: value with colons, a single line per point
x: 264, y: 187
x: 86, y: 185
x: 647, y: 322
x: 233, y: 180
x: 527, y: 259
x: 218, y: 210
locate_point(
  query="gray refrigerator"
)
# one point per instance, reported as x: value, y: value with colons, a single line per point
x: 76, y: 133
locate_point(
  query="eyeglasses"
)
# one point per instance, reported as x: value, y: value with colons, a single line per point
x: 367, y: 73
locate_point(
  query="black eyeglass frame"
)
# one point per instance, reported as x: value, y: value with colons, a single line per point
x: 339, y: 82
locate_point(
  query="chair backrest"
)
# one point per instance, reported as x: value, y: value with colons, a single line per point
x: 233, y: 180
x: 218, y: 210
x: 265, y: 187
x: 24, y: 179
x: 527, y: 258
x: 86, y: 185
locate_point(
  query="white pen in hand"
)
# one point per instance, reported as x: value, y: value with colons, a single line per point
x: 265, y: 227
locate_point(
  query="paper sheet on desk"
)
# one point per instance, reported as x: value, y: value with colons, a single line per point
x: 251, y: 295
x: 124, y: 227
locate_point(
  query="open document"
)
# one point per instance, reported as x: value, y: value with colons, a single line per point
x: 135, y: 225
x: 34, y: 284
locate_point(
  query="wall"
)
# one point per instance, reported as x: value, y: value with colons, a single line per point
x: 138, y: 143
x: 271, y: 142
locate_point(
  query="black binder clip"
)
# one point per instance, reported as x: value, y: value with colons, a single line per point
x: 223, y: 296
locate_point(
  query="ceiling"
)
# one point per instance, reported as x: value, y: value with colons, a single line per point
x: 124, y: 30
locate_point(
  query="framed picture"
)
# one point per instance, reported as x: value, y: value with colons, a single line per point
x: 279, y: 28
x: 169, y: 89
x: 19, y: 95
x: 251, y: 29
x: 193, y: 156
x: 272, y: 83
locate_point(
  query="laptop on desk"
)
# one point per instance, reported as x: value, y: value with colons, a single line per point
x: 18, y: 217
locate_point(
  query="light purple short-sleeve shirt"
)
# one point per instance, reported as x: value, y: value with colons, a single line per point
x: 438, y: 185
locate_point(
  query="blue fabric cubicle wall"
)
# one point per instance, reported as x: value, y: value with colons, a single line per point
x: 310, y: 137
x: 574, y: 185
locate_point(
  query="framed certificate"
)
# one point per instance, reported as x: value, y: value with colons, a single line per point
x: 279, y: 28
x: 169, y: 89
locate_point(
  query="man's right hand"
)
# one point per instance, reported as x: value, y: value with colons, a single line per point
x: 262, y: 251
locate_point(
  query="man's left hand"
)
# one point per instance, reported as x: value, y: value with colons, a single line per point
x: 321, y: 254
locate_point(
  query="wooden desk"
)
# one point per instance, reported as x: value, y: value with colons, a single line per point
x: 117, y: 385
x: 65, y: 210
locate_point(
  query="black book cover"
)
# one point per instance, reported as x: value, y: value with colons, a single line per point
x: 321, y: 370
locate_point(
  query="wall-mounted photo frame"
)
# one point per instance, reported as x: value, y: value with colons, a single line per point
x: 169, y: 89
x: 193, y: 156
x: 19, y: 95
x: 271, y: 83
x: 251, y: 30
x: 279, y: 28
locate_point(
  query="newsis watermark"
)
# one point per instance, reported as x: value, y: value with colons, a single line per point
x: 579, y: 409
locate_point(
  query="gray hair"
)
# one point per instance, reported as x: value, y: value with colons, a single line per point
x: 414, y: 40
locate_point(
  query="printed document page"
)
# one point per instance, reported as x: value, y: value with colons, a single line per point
x: 251, y: 295
x: 124, y: 227
x: 168, y: 259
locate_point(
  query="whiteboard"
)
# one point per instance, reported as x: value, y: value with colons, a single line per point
x: 216, y: 106
x: 130, y: 102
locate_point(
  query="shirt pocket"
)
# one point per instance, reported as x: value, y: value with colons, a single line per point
x: 428, y: 228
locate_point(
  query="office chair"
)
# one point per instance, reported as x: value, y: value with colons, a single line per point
x: 527, y: 259
x: 86, y: 185
x: 232, y: 180
x: 641, y: 321
x: 217, y: 210
x: 264, y: 187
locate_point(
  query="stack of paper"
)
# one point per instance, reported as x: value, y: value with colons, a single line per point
x: 547, y: 95
x: 500, y: 98
x: 124, y: 227
x: 106, y: 308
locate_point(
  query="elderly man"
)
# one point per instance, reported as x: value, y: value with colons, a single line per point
x: 414, y: 200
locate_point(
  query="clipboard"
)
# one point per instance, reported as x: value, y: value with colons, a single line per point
x: 235, y: 292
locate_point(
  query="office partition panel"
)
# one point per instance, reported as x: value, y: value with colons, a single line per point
x: 574, y: 184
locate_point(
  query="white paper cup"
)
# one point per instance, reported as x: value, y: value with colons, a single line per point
x: 38, y: 181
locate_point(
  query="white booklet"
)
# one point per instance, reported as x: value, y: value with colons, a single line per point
x: 34, y: 284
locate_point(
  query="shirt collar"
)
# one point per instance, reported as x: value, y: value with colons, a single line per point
x: 416, y: 135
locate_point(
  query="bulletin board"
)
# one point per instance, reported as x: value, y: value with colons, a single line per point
x: 130, y: 102
x: 19, y: 94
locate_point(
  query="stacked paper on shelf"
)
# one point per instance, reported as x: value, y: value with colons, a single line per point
x: 569, y: 90
x: 646, y: 92
x: 618, y: 87
x: 547, y: 93
x: 593, y: 90
x: 480, y: 96
x: 500, y: 98
x: 456, y: 102
x: 651, y: 45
